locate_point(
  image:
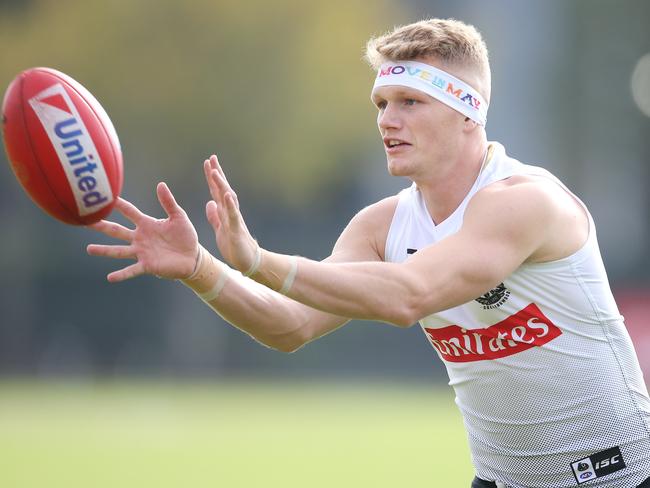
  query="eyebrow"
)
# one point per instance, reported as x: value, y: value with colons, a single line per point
x: 402, y: 91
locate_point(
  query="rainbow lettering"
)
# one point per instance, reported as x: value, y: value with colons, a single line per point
x: 437, y: 83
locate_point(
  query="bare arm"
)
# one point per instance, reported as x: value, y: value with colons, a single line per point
x: 504, y: 226
x: 279, y: 321
x: 168, y: 248
x: 271, y: 318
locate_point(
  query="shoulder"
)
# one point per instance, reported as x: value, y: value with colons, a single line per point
x: 364, y: 238
x: 532, y: 208
x: 379, y: 213
x: 528, y: 192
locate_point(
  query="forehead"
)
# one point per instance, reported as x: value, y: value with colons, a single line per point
x: 395, y: 91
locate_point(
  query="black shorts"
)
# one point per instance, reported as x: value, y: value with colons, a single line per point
x: 479, y: 483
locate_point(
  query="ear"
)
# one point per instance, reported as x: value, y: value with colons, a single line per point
x: 469, y: 125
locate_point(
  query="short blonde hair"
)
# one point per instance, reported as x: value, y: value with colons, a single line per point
x: 451, y: 41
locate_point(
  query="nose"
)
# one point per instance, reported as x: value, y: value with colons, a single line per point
x: 388, y: 118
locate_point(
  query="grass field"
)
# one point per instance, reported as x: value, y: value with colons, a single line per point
x: 244, y: 434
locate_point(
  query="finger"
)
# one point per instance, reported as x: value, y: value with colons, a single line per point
x: 167, y: 200
x: 129, y: 210
x: 212, y: 185
x: 224, y: 215
x: 234, y: 216
x: 220, y: 186
x: 212, y: 214
x: 223, y: 187
x: 116, y: 252
x: 206, y: 169
x: 218, y: 181
x: 214, y: 162
x: 113, y: 229
x: 217, y: 167
x: 217, y: 184
x: 131, y: 271
x: 210, y: 165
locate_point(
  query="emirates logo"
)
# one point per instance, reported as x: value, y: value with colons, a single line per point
x: 526, y: 329
x: 494, y: 298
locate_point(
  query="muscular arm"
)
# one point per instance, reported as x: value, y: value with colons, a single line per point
x: 504, y: 227
x: 281, y: 322
x: 506, y: 224
x: 169, y: 248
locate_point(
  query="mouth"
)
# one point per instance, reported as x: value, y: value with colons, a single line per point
x: 392, y: 145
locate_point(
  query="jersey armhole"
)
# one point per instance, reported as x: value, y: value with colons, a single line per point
x: 390, y: 250
x: 591, y: 226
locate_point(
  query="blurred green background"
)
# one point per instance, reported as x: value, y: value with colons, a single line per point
x: 235, y: 434
x: 139, y: 384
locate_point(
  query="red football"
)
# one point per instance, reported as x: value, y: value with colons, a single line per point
x: 62, y: 146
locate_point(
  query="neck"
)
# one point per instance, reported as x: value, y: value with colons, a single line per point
x: 445, y: 191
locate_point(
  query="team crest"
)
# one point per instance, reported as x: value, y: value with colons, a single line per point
x: 494, y: 298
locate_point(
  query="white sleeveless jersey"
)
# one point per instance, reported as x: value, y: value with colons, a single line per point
x: 544, y: 371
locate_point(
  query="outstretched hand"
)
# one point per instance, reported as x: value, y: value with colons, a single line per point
x: 235, y: 242
x: 167, y: 248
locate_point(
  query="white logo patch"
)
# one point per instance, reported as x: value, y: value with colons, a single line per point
x: 74, y: 147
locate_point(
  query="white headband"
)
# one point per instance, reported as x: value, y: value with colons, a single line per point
x: 437, y: 83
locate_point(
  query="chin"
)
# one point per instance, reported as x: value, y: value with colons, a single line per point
x: 398, y: 168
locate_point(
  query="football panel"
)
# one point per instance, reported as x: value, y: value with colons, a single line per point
x: 22, y: 158
x: 71, y: 145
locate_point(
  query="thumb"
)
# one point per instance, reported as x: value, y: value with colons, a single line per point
x: 212, y: 215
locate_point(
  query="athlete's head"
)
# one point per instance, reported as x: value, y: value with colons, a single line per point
x: 457, y: 46
x: 432, y: 91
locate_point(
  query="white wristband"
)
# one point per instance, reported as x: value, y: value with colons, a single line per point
x: 214, y: 292
x: 256, y: 263
x: 288, y: 281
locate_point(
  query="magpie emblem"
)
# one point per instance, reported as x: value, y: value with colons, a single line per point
x: 494, y: 298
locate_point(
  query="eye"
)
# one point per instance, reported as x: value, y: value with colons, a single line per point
x: 380, y: 104
x: 410, y: 101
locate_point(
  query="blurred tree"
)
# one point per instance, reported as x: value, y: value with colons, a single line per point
x: 278, y: 89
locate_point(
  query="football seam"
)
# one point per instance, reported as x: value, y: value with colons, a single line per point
x: 43, y: 173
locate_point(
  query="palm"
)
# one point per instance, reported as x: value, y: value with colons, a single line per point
x: 232, y: 245
x: 166, y: 247
x: 235, y: 242
x: 163, y: 247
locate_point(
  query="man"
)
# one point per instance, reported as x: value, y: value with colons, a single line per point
x: 544, y: 372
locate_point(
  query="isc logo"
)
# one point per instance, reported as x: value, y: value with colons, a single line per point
x: 597, y: 465
x: 607, y: 462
